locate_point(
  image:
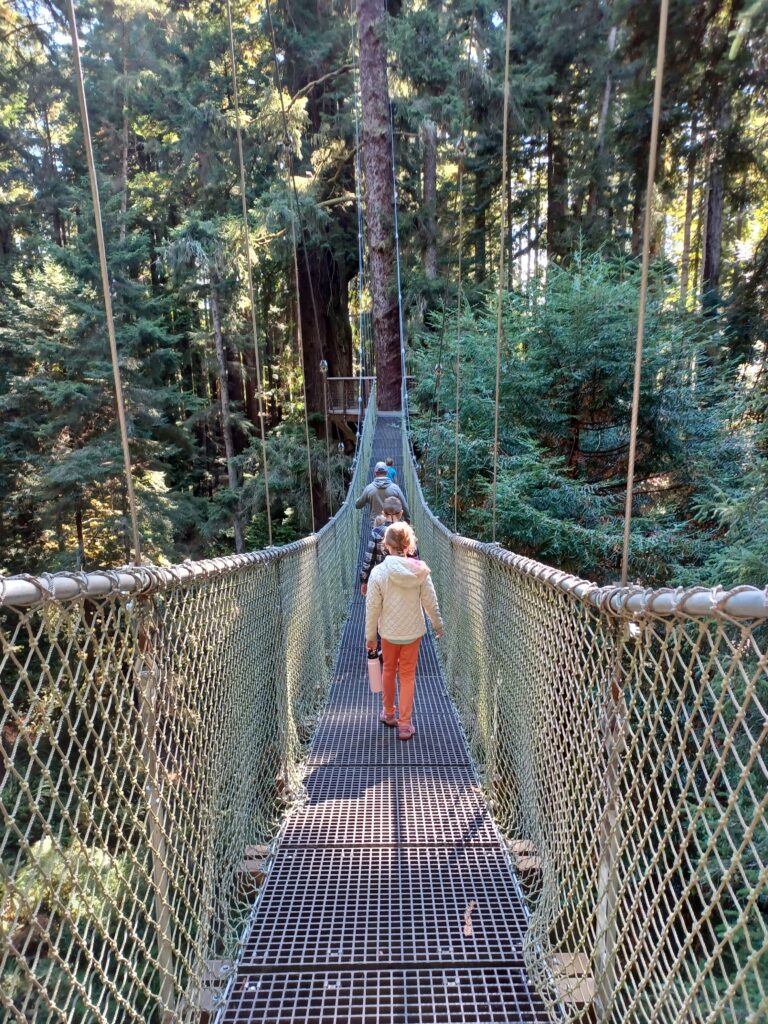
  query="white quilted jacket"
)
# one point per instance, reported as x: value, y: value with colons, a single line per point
x: 398, y: 589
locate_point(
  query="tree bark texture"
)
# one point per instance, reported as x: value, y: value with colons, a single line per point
x: 685, y: 260
x: 325, y: 329
x: 557, y: 193
x: 597, y: 185
x: 429, y: 142
x: 226, y: 424
x: 478, y: 232
x: 713, y: 249
x: 379, y: 199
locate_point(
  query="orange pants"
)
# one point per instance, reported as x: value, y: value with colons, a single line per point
x: 405, y: 657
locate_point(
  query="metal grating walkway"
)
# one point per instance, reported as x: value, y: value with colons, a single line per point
x: 361, y: 918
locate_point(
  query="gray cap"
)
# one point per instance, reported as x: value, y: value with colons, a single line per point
x: 380, y: 467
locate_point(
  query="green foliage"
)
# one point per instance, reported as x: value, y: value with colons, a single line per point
x: 565, y: 395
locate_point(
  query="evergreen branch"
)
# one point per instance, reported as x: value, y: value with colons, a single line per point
x: 319, y: 81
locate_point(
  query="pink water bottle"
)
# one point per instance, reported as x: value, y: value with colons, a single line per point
x: 374, y: 671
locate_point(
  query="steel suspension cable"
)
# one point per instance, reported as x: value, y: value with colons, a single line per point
x: 251, y: 291
x: 438, y: 369
x: 360, y: 235
x: 458, y: 343
x: 652, y: 150
x: 500, y: 305
x: 299, y: 332
x: 403, y: 382
x: 304, y: 249
x: 462, y: 149
x: 88, y: 144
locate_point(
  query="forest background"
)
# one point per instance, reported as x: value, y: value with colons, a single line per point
x: 569, y: 214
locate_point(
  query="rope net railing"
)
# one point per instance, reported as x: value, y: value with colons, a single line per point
x: 152, y: 724
x: 621, y: 733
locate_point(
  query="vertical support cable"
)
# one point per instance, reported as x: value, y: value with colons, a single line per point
x: 663, y: 15
x: 458, y: 344
x: 462, y: 149
x: 360, y: 236
x: 299, y: 331
x: 403, y: 383
x: 614, y: 713
x: 105, y: 281
x: 300, y: 338
x: 145, y: 667
x: 500, y: 304
x: 251, y: 291
x: 360, y: 249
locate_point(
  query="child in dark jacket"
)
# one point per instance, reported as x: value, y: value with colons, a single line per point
x: 392, y: 512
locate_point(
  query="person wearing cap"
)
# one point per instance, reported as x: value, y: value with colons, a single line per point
x: 391, y: 513
x: 377, y: 492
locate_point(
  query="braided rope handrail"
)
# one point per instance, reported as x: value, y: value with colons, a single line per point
x: 25, y: 591
x: 630, y: 602
x: 151, y: 734
x: 621, y: 735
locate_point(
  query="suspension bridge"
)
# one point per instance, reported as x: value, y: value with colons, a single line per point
x: 204, y: 821
x: 576, y: 832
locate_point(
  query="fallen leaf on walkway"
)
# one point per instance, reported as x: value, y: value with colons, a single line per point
x: 468, y: 931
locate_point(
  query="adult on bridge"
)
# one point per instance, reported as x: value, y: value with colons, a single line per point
x: 378, y: 490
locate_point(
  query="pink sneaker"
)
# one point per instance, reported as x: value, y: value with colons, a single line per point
x: 390, y: 720
x: 405, y: 732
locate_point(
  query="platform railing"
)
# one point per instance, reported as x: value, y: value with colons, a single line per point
x: 151, y: 723
x: 347, y: 394
x: 622, y: 734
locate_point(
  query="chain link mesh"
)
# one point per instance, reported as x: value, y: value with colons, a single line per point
x: 153, y: 722
x: 622, y: 738
x: 152, y: 725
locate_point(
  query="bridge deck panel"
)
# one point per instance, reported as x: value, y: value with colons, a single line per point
x: 456, y: 995
x: 355, y: 737
x: 390, y: 898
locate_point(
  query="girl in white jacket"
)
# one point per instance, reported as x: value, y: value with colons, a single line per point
x: 400, y: 590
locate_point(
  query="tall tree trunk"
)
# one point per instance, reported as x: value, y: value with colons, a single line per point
x: 636, y: 242
x: 226, y: 424
x: 529, y: 226
x: 537, y: 213
x: 557, y: 192
x: 509, y: 234
x: 325, y: 329
x: 429, y: 142
x: 124, y: 145
x: 598, y: 177
x: 685, y: 262
x: 380, y: 200
x: 481, y: 205
x: 710, y: 285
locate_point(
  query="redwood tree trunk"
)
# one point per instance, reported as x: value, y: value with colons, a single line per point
x: 596, y: 186
x: 326, y: 333
x: 713, y: 249
x: 685, y: 262
x: 481, y: 205
x: 380, y: 200
x: 557, y: 193
x: 226, y: 424
x: 429, y: 140
x: 124, y: 144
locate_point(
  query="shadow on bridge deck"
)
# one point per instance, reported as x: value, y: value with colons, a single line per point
x: 390, y: 897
